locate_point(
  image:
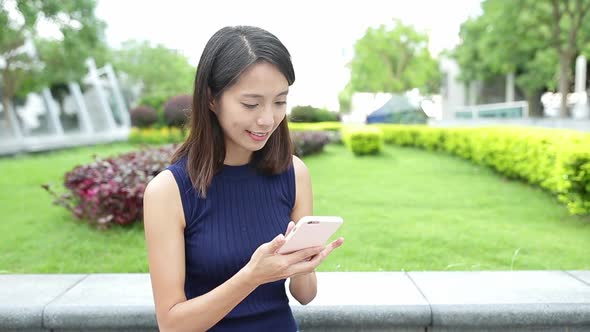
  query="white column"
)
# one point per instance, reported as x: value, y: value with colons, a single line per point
x: 580, y: 74
x: 75, y: 91
x: 94, y: 80
x: 581, y: 109
x: 52, y: 111
x: 13, y: 122
x: 118, y: 95
x: 510, y: 87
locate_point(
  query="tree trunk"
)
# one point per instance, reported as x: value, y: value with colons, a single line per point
x: 535, y: 106
x: 7, y: 95
x: 565, y: 62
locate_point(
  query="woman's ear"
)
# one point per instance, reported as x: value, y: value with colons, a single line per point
x: 211, y: 101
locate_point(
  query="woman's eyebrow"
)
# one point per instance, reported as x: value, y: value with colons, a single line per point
x: 254, y: 95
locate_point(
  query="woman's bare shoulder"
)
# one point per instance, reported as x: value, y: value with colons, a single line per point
x: 162, y: 193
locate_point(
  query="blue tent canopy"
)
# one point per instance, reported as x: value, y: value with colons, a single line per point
x: 398, y: 109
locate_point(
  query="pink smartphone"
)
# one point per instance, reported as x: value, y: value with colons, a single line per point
x: 310, y: 231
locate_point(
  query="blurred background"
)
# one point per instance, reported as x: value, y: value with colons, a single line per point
x: 462, y: 125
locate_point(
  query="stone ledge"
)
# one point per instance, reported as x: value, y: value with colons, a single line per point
x: 346, y: 301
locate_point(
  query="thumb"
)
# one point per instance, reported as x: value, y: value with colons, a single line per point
x: 277, y: 242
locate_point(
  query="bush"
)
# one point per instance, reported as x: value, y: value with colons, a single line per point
x: 143, y: 116
x: 556, y: 160
x: 157, y: 135
x: 312, y: 114
x: 363, y: 140
x: 309, y: 142
x: 177, y: 110
x: 156, y: 101
x: 321, y: 126
x: 110, y: 191
x: 332, y: 129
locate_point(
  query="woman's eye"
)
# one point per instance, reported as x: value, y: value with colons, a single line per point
x: 249, y: 105
x: 281, y: 103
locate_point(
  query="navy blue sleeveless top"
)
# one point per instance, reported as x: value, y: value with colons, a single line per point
x: 243, y: 209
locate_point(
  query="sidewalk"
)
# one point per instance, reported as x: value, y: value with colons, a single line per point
x: 346, y: 301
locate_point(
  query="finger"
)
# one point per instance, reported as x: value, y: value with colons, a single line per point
x: 300, y: 273
x: 336, y: 243
x: 289, y: 228
x: 276, y: 243
x: 302, y: 254
x: 307, y: 266
x: 319, y: 258
x: 333, y: 245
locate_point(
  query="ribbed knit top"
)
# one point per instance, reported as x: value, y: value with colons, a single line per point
x: 242, y: 210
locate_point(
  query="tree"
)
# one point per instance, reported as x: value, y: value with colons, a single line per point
x: 492, y: 45
x: 345, y: 99
x: 536, y: 40
x: 393, y: 60
x: 60, y: 60
x: 565, y: 20
x: 161, y: 71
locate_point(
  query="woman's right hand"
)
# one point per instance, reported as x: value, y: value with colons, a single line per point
x: 266, y: 265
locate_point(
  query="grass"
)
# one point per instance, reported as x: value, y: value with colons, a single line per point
x: 38, y: 237
x: 407, y: 209
x: 415, y: 210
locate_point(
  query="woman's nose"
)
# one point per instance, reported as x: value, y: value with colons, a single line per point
x: 266, y: 118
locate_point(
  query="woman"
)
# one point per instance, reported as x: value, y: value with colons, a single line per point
x: 212, y: 217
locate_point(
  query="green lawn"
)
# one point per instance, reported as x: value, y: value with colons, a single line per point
x: 405, y: 210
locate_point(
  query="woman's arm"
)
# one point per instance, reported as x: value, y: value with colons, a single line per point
x: 302, y: 287
x: 164, y: 232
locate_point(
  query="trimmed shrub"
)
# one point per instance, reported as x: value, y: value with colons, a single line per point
x: 177, y: 110
x: 143, y: 116
x: 332, y: 129
x: 312, y: 114
x: 363, y: 140
x: 321, y: 126
x: 555, y: 159
x: 309, y: 142
x: 157, y: 135
x: 156, y: 101
x: 110, y: 191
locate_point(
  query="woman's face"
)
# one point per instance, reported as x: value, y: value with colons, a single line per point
x: 250, y: 110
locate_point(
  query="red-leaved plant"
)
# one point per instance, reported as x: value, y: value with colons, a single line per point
x: 309, y: 142
x: 110, y: 190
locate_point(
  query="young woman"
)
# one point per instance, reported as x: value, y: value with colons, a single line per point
x: 214, y: 219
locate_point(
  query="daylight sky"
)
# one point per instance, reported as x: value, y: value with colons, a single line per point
x: 319, y: 34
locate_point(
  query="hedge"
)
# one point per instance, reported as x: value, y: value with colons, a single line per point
x: 555, y: 159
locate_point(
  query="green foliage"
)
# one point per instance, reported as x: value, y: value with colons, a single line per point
x: 363, y: 140
x: 537, y: 40
x: 493, y: 217
x: 311, y: 114
x: 157, y: 135
x: 162, y: 71
x: 321, y: 126
x: 499, y: 42
x: 556, y: 160
x: 156, y: 101
x: 345, y: 99
x: 393, y: 60
x: 57, y: 60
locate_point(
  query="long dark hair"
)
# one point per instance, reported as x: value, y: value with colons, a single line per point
x: 227, y: 54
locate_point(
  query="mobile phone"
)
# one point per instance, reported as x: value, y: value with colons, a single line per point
x: 310, y: 231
